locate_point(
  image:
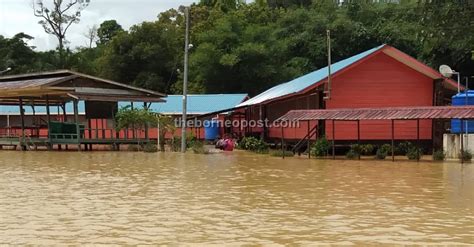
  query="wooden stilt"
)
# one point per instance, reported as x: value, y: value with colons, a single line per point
x: 147, y: 125
x: 48, y: 114
x: 358, y: 136
x: 461, y: 139
x: 333, y: 139
x: 393, y: 140
x: 22, y: 116
x: 282, y: 143
x: 418, y: 139
x: 76, y: 121
x: 309, y: 141
x: 65, y: 119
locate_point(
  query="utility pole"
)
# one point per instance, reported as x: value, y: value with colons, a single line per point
x: 328, y: 90
x: 185, y: 82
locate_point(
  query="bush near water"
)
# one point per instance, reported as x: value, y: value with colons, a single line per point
x: 253, y: 144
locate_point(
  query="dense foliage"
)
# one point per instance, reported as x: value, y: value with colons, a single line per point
x: 248, y: 47
x: 253, y: 144
x: 439, y: 155
x: 320, y: 148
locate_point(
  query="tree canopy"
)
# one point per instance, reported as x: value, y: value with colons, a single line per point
x: 243, y: 47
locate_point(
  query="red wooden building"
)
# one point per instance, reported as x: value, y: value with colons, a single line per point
x: 380, y: 77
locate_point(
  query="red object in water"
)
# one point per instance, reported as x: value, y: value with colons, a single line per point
x: 229, y: 145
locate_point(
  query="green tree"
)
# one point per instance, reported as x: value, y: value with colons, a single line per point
x: 108, y: 30
x: 147, y: 56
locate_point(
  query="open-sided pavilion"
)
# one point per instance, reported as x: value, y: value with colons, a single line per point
x: 56, y: 89
x: 390, y: 114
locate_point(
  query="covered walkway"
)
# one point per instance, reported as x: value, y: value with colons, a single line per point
x: 390, y: 114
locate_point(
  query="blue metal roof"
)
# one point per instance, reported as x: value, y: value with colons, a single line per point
x: 40, y: 110
x: 197, y: 104
x: 299, y: 84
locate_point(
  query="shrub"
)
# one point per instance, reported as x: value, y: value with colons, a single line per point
x: 404, y: 147
x: 414, y: 153
x: 150, y: 148
x: 381, y: 154
x: 439, y: 155
x: 280, y: 153
x: 356, y: 148
x: 465, y: 156
x: 253, y: 144
x: 352, y: 154
x: 320, y: 148
x: 199, y: 148
x: 386, y: 148
x: 175, y: 142
x: 367, y: 149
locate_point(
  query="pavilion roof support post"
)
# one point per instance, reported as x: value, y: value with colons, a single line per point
x: 65, y: 118
x: 34, y: 122
x: 333, y: 139
x: 309, y: 141
x: 282, y: 143
x: 104, y: 127
x: 418, y: 139
x: 147, y: 125
x: 133, y: 125
x: 393, y: 140
x: 48, y: 115
x: 76, y: 121
x: 461, y: 139
x: 22, y: 118
x: 64, y: 112
x: 358, y: 136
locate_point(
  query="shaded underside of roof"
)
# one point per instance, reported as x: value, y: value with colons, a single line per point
x: 392, y: 113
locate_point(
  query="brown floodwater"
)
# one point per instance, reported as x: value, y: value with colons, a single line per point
x: 239, y: 198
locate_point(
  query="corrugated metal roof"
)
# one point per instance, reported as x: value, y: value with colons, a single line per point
x: 27, y: 81
x: 303, y: 82
x: 391, y: 113
x: 197, y: 104
x: 40, y: 110
x: 22, y: 84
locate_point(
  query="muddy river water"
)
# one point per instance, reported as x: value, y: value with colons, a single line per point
x: 239, y: 198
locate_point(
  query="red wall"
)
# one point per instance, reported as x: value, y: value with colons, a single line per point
x: 380, y: 81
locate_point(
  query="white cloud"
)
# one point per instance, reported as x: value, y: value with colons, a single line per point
x: 17, y: 16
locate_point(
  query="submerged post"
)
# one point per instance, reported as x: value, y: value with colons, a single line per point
x: 358, y: 135
x: 461, y: 139
x: 393, y: 140
x: 333, y: 139
x: 418, y: 139
x: 147, y: 125
x: 76, y: 121
x: 22, y: 116
x: 48, y: 114
x: 282, y: 143
x: 64, y: 120
x: 309, y: 141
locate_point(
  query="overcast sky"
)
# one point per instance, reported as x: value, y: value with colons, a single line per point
x: 17, y: 16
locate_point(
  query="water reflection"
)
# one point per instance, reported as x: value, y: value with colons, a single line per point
x: 240, y: 198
